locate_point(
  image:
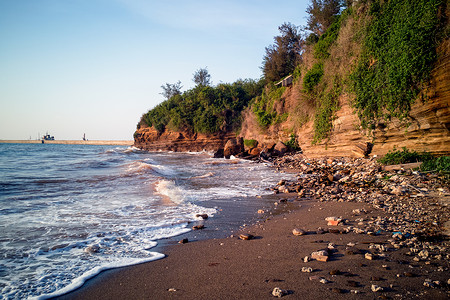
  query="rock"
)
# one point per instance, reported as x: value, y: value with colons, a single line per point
x: 219, y: 153
x: 183, y: 241
x: 280, y: 149
x: 333, y: 221
x: 306, y: 259
x: 277, y: 292
x: 375, y: 288
x: 172, y: 290
x: 246, y: 236
x: 92, y: 249
x: 321, y: 255
x: 198, y: 227
x: 307, y: 270
x: 255, y: 151
x: 369, y: 256
x: 203, y: 216
x: 233, y: 147
x: 298, y: 232
x: 323, y: 280
x: 335, y: 272
x: 261, y: 211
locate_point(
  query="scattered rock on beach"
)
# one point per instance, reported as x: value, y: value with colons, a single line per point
x: 246, y: 236
x: 203, y: 216
x: 277, y: 292
x: 375, y: 288
x: 321, y: 255
x: 298, y: 232
x: 198, y: 227
x: 183, y: 241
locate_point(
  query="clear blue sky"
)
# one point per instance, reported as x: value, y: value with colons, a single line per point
x: 95, y: 66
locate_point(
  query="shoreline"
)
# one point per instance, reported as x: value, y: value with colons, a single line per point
x: 72, y: 142
x: 230, y: 268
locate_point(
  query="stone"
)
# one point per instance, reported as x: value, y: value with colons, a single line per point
x: 255, y: 151
x: 246, y: 236
x: 233, y: 147
x: 280, y: 149
x: 321, y: 255
x: 335, y: 272
x: 198, y: 227
x: 183, y: 241
x: 92, y: 249
x: 369, y: 256
x: 298, y: 232
x: 323, y: 280
x: 261, y: 211
x: 219, y: 153
x: 277, y: 292
x: 375, y: 288
x: 307, y: 269
x: 203, y: 216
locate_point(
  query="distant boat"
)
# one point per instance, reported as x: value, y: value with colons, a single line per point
x: 48, y: 137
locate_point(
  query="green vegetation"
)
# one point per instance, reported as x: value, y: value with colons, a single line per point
x: 322, y: 47
x: 313, y: 77
x: 263, y: 106
x: 429, y: 163
x: 250, y: 143
x: 204, y: 109
x: 396, y: 157
x: 398, y: 55
x: 292, y: 144
x: 327, y: 106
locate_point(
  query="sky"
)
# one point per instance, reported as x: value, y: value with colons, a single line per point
x: 69, y: 67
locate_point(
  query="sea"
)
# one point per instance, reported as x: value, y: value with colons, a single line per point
x: 68, y: 212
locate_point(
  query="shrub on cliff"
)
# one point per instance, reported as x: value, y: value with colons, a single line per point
x: 204, y: 109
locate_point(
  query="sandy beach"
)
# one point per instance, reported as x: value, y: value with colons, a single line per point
x: 72, y: 142
x: 365, y: 259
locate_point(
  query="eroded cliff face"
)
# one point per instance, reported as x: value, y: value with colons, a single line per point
x: 427, y: 128
x: 148, y: 138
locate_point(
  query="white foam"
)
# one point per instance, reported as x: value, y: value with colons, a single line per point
x: 78, y: 282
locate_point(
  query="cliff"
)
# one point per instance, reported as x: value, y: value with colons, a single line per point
x: 148, y: 138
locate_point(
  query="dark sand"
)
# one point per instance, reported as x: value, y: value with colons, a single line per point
x: 230, y: 268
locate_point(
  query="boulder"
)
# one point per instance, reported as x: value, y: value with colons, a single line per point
x: 255, y: 151
x: 219, y: 153
x: 280, y: 149
x: 233, y: 147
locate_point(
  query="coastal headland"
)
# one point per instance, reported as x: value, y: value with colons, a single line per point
x: 344, y: 229
x: 71, y: 142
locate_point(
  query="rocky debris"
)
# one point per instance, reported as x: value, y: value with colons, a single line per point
x: 413, y: 214
x: 280, y: 149
x: 183, y: 241
x: 277, y: 292
x: 307, y: 269
x: 246, y: 236
x: 198, y: 227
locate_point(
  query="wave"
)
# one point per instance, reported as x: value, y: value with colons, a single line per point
x: 171, y: 191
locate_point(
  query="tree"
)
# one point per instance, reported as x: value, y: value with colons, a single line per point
x: 321, y: 14
x: 282, y: 57
x: 202, y: 77
x: 170, y: 90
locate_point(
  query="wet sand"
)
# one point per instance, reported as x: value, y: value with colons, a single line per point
x: 230, y: 268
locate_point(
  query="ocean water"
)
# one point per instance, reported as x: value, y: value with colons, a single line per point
x: 67, y: 212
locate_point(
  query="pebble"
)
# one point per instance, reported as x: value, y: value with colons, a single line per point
x: 277, y: 292
x: 198, y: 227
x: 183, y: 241
x: 307, y: 270
x: 298, y: 232
x: 376, y: 288
x: 245, y: 236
